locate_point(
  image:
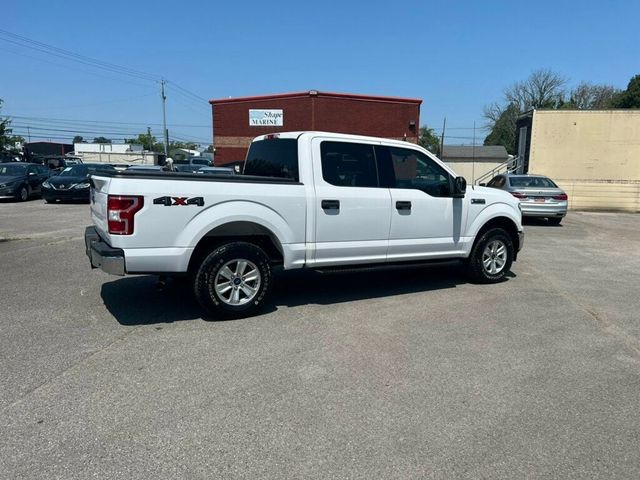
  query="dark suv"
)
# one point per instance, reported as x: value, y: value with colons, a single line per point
x: 21, y: 180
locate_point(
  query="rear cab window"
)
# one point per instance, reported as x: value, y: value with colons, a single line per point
x: 348, y: 164
x: 275, y: 157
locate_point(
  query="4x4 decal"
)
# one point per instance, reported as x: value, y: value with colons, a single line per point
x: 173, y: 201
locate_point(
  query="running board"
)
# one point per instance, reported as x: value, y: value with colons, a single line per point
x: 387, y: 266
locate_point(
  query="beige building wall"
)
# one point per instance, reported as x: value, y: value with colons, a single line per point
x: 128, y: 158
x: 594, y: 155
x: 471, y: 170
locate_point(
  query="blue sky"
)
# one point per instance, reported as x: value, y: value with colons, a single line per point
x: 455, y: 55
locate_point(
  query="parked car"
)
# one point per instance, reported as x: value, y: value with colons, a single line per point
x: 216, y: 171
x: 72, y: 184
x: 21, y: 180
x: 186, y: 167
x: 539, y: 196
x: 312, y: 200
x: 193, y: 160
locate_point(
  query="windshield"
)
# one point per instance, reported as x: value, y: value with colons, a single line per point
x: 11, y: 170
x: 532, y: 182
x: 82, y: 170
x: 200, y: 161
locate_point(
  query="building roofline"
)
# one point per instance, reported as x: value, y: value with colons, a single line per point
x: 530, y: 113
x: 316, y: 93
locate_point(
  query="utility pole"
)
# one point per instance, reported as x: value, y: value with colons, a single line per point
x: 164, y: 119
x: 444, y: 126
x: 473, y: 166
x: 29, y: 134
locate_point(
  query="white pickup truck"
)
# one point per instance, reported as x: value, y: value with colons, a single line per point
x: 312, y: 200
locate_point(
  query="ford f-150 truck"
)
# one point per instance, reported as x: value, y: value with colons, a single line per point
x: 312, y: 200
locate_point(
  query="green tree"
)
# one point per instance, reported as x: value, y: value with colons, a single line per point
x: 209, y: 149
x: 7, y: 140
x: 629, y: 98
x: 5, y: 130
x: 101, y: 140
x: 504, y: 128
x: 78, y: 139
x: 185, y: 145
x: 148, y: 141
x: 429, y: 140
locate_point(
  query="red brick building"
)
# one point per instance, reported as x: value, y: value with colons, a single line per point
x: 237, y: 121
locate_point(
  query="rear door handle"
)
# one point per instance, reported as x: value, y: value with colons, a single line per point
x: 403, y: 205
x: 330, y: 204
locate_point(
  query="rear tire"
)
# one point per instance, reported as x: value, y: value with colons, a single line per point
x: 491, y: 257
x: 554, y: 220
x: 234, y: 280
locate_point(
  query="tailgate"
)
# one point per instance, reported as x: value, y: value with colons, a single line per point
x: 98, y: 199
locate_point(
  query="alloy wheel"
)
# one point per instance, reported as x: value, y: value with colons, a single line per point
x: 494, y: 257
x: 237, y: 282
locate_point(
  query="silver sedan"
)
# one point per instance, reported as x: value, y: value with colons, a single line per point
x: 539, y: 196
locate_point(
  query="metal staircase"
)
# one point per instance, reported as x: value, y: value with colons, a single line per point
x: 513, y: 165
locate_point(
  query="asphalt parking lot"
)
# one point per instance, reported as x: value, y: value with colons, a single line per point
x: 413, y: 373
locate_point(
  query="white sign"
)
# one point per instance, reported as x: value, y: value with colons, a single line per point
x: 266, y: 118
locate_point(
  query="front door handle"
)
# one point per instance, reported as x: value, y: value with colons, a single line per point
x: 330, y: 204
x: 403, y: 205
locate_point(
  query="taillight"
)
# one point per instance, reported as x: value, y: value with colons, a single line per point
x: 562, y: 196
x: 518, y: 195
x: 120, y: 212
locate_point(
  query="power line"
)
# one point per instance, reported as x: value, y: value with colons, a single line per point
x: 102, y: 122
x: 67, y: 67
x: 76, y: 130
x: 188, y: 93
x: 26, y: 42
x: 42, y: 47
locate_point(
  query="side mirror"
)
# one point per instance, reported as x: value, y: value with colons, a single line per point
x: 459, y: 187
x: 483, y: 184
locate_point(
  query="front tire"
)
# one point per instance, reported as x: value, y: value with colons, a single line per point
x: 491, y: 256
x: 234, y: 280
x: 23, y: 194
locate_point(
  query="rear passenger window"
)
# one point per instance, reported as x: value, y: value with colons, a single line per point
x: 348, y: 164
x: 276, y: 157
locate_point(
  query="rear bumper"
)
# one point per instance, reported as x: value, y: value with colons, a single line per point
x: 530, y: 209
x: 102, y: 255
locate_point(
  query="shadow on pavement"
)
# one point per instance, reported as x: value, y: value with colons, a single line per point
x: 538, y: 222
x: 137, y: 300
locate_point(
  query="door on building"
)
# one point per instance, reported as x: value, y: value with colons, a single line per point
x: 426, y: 221
x: 522, y: 147
x: 352, y: 211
